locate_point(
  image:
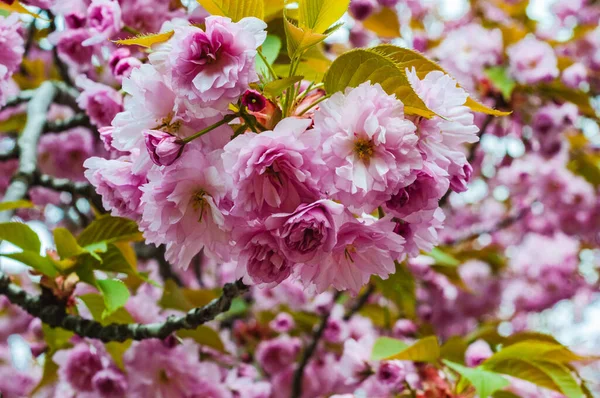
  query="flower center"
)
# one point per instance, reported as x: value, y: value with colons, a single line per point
x: 199, y: 203
x: 364, y: 149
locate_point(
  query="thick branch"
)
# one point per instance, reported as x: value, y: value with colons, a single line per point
x: 308, y: 353
x: 27, y: 143
x: 55, y: 315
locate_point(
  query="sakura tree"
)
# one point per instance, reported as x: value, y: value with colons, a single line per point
x: 312, y: 198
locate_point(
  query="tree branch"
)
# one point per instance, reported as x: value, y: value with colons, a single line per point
x: 79, y: 120
x: 308, y: 353
x: 27, y: 142
x: 164, y: 268
x: 360, y: 302
x: 55, y: 315
x: 18, y: 99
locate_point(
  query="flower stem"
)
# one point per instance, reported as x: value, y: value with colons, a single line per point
x: 269, y: 66
x: 226, y: 119
x: 317, y: 102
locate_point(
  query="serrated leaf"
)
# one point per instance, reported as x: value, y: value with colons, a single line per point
x: 409, y: 59
x: 66, y: 244
x: 535, y: 350
x: 146, y: 40
x: 386, y: 347
x: 17, y: 204
x: 34, y: 260
x: 400, y: 288
x: 115, y: 294
x: 383, y: 23
x: 96, y: 305
x: 20, y: 235
x: 485, y: 382
x: 300, y: 39
x: 107, y: 229
x: 204, y: 336
x: 275, y: 88
x: 527, y: 335
x: 319, y: 15
x: 424, y: 350
x: 235, y: 9
x: 549, y: 375
x: 358, y: 66
x: 502, y: 80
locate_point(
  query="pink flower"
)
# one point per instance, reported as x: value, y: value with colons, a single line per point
x: 273, y: 171
x: 69, y: 44
x: 362, y: 250
x: 532, y: 61
x: 184, y: 207
x: 62, y: 155
x: 309, y: 233
x: 362, y: 9
x: 420, y: 230
x: 574, y: 75
x: 212, y: 67
x: 164, y: 149
x: 443, y: 140
x: 261, y: 260
x: 110, y: 383
x: 391, y: 373
x: 368, y: 146
x: 101, y: 102
x: 477, y: 352
x: 104, y: 19
x: 119, y: 187
x: 7, y: 169
x: 277, y: 355
x: 11, y: 43
x: 423, y: 194
x: 282, y: 323
x: 125, y: 66
x: 355, y: 363
x: 79, y: 365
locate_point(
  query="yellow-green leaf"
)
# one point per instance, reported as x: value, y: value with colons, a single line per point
x: 17, y: 204
x: 115, y: 294
x: 477, y: 106
x: 275, y: 88
x: 535, y: 350
x: 386, y: 347
x: 18, y: 7
x: 20, y: 235
x: 95, y: 303
x: 319, y: 15
x: 454, y: 349
x: 205, y: 336
x: 358, y: 66
x: 424, y: 350
x: 270, y: 50
x: 235, y: 9
x: 34, y: 260
x: 300, y: 39
x: 146, y: 40
x: 485, y: 382
x: 182, y: 299
x: 107, y: 229
x: 400, y: 288
x: 66, y: 244
x: 384, y: 23
x: 116, y: 350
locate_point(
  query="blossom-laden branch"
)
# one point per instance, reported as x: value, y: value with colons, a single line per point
x: 27, y: 143
x: 55, y: 315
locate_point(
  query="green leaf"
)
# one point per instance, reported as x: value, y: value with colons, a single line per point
x: 177, y: 298
x: 386, y: 347
x: 270, y: 50
x: 504, y: 394
x: 275, y: 88
x: 502, y: 80
x: 146, y: 40
x: 107, y: 229
x: 66, y: 244
x: 383, y: 23
x: 527, y: 335
x: 112, y: 260
x: 405, y: 59
x: 319, y: 15
x: 115, y: 295
x: 400, y: 288
x: 535, y: 350
x: 358, y: 66
x: 95, y: 303
x: 443, y: 258
x: 235, y: 9
x: 554, y: 376
x: 205, y: 336
x: 56, y: 338
x: 485, y: 382
x: 34, y: 260
x: 116, y: 350
x: 17, y: 204
x: 454, y: 349
x: 299, y: 39
x: 20, y: 235
x: 424, y: 350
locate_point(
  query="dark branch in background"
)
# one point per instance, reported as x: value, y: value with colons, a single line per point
x: 19, y: 99
x: 27, y: 142
x: 55, y: 315
x: 63, y: 70
x: 164, y: 268
x: 13, y: 154
x: 309, y: 352
x: 507, y: 222
x: 197, y: 262
x: 79, y: 120
x: 74, y: 188
x: 360, y: 302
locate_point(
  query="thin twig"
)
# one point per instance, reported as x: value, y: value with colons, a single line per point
x: 55, y: 315
x: 308, y: 353
x: 18, y: 99
x: 79, y: 120
x: 197, y: 264
x: 164, y: 268
x: 27, y: 143
x: 360, y: 302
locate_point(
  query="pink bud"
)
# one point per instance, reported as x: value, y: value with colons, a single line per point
x: 164, y: 148
x: 362, y: 9
x: 477, y: 352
